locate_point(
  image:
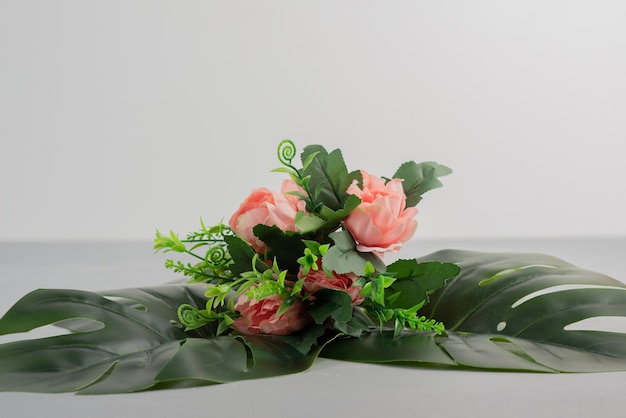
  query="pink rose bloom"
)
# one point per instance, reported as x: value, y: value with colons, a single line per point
x: 381, y: 222
x: 259, y: 316
x: 317, y: 279
x: 266, y: 207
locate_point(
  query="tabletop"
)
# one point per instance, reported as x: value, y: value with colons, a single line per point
x: 329, y: 388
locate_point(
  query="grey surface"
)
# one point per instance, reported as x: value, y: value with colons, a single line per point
x: 329, y: 388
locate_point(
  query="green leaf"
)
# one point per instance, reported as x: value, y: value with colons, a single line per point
x: 420, y: 178
x: 329, y: 303
x: 308, y: 222
x: 285, y: 247
x: 334, y: 216
x: 328, y: 174
x: 242, y: 255
x: 494, y: 290
x: 503, y: 312
x: 171, y: 243
x: 477, y: 351
x: 284, y: 170
x: 414, y: 347
x: 135, y: 344
x: 309, y: 159
x: 228, y: 359
x: 134, y: 337
x: 508, y: 312
x: 414, y: 281
x: 357, y: 325
x: 344, y: 258
x: 327, y: 218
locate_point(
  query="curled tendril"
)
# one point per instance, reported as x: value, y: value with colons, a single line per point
x: 189, y: 316
x: 217, y: 257
x: 286, y: 151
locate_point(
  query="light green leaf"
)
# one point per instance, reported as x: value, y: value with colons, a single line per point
x: 283, y: 170
x: 326, y: 219
x: 308, y: 222
x: 309, y: 160
x: 344, y: 258
x: 419, y: 178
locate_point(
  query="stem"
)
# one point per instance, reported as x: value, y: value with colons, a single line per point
x: 195, y: 255
x: 202, y: 240
x: 310, y: 203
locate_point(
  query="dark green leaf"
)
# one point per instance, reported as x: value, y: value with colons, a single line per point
x: 136, y: 344
x: 242, y: 255
x: 285, y: 247
x: 133, y: 336
x: 306, y: 341
x: 357, y: 325
x: 329, y: 303
x: 378, y: 347
x: 508, y: 312
x: 333, y: 217
x: 328, y: 172
x: 504, y: 312
x: 481, y: 351
x: 227, y: 359
x: 491, y: 296
x: 414, y: 281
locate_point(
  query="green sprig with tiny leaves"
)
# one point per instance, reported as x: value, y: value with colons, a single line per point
x: 286, y: 153
x: 373, y: 290
x: 192, y: 318
x: 409, y: 318
x: 213, y: 264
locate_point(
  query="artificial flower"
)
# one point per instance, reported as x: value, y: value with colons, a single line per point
x: 318, y: 279
x: 266, y: 207
x: 382, y: 222
x: 259, y: 316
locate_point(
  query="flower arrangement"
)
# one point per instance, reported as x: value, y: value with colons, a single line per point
x: 311, y: 254
x: 301, y: 273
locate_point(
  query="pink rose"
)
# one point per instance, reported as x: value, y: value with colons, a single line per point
x: 269, y: 208
x: 318, y: 279
x: 259, y: 316
x: 381, y: 222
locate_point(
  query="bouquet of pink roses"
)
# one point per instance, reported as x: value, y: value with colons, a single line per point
x: 300, y: 273
x: 310, y: 256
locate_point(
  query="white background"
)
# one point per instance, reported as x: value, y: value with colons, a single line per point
x: 119, y: 117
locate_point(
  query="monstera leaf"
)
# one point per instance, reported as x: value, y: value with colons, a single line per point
x: 511, y: 312
x: 129, y: 340
x: 503, y: 312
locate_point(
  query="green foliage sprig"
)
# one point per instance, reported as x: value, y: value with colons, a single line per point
x: 214, y: 263
x: 322, y: 244
x: 286, y: 153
